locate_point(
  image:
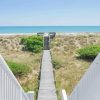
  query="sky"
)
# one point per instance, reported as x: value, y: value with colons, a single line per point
x: 49, y: 12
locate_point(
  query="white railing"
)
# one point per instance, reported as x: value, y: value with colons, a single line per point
x: 10, y: 89
x: 64, y: 95
x: 89, y: 86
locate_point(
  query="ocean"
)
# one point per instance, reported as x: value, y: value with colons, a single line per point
x: 35, y: 29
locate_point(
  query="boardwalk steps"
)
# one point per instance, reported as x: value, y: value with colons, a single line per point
x: 47, y: 90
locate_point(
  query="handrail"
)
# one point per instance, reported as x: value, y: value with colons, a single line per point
x: 10, y: 89
x: 89, y: 86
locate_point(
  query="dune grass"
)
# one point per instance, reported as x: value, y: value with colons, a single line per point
x: 25, y: 65
x: 69, y: 68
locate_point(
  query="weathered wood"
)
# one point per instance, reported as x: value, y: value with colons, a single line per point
x: 40, y: 34
x: 47, y: 90
x: 46, y: 43
x: 52, y: 34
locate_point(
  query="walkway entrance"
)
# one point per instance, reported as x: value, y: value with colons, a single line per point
x: 47, y: 90
x: 46, y: 43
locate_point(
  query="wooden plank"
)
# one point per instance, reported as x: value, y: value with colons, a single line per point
x: 47, y: 90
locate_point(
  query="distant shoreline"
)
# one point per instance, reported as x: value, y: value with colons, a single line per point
x: 3, y: 34
x: 63, y: 33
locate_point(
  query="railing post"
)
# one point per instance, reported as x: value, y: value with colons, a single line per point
x: 30, y: 95
x: 64, y: 95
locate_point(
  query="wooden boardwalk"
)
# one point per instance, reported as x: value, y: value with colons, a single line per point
x: 47, y: 90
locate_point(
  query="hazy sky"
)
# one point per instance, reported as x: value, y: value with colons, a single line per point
x: 49, y: 12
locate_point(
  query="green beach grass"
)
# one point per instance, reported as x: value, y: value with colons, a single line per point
x: 24, y: 64
x: 69, y: 67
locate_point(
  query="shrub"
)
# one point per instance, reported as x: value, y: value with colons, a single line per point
x: 18, y: 69
x: 33, y: 43
x: 89, y: 52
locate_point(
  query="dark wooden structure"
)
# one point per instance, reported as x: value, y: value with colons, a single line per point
x: 47, y: 39
x: 52, y: 34
x: 46, y: 43
x: 40, y: 34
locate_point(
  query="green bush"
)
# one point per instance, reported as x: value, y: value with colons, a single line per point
x: 18, y: 69
x: 89, y: 52
x: 33, y: 43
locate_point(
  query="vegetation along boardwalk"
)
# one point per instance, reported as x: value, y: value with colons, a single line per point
x: 47, y: 90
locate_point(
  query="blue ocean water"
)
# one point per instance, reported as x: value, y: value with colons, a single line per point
x: 32, y: 29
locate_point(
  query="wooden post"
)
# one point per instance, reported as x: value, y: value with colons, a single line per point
x: 30, y: 95
x: 64, y: 95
